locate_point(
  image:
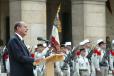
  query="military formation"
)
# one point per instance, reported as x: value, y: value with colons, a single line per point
x: 88, y: 58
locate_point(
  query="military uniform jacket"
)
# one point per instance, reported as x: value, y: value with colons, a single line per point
x: 82, y: 63
x: 111, y: 59
x: 97, y: 58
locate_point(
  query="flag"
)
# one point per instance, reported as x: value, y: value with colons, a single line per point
x: 55, y: 37
x: 108, y: 5
x: 55, y: 32
x: 59, y: 21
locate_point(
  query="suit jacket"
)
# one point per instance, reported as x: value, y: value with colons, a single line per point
x: 20, y: 59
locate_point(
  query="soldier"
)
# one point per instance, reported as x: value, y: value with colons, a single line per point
x: 68, y: 45
x: 58, y: 65
x: 111, y: 58
x: 58, y: 71
x: 99, y: 59
x: 89, y: 52
x: 77, y: 56
x: 81, y: 44
x: 82, y: 64
x: 86, y: 45
x: 41, y: 50
x: 69, y: 65
x: 40, y: 53
x: 66, y: 67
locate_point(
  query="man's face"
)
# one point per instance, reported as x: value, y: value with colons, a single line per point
x: 40, y: 48
x: 103, y: 46
x: 88, y: 45
x: 68, y: 47
x: 23, y: 29
x: 83, y: 53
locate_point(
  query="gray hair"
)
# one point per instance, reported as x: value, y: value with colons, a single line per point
x: 18, y: 24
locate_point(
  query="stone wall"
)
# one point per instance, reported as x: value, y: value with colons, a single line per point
x: 88, y: 20
x: 34, y: 14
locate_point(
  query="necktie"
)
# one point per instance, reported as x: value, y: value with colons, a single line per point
x: 24, y: 46
x: 23, y: 43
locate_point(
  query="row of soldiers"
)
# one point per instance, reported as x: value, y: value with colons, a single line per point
x: 87, y: 59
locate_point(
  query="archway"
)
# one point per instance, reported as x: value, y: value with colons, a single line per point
x: 65, y: 18
x: 4, y: 21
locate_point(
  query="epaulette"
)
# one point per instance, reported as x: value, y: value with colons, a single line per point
x: 112, y: 52
x: 77, y: 53
x: 97, y: 52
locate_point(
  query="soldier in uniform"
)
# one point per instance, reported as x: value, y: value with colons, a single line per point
x: 87, y: 46
x: 40, y: 53
x: 58, y: 64
x: 99, y: 59
x: 89, y: 52
x: 82, y: 64
x: 111, y: 58
x: 68, y: 45
x: 58, y: 71
x: 66, y: 66
x: 77, y: 56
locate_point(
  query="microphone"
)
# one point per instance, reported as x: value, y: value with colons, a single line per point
x: 41, y: 39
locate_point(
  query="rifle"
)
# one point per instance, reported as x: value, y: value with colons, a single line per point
x: 105, y: 58
x: 68, y: 58
x: 71, y: 55
x: 90, y: 54
x: 48, y: 52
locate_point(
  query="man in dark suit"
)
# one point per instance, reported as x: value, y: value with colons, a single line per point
x: 21, y: 62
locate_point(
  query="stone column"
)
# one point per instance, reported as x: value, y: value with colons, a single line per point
x: 88, y: 20
x: 32, y: 12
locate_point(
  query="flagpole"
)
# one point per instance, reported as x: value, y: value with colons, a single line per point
x: 58, y: 10
x: 54, y: 41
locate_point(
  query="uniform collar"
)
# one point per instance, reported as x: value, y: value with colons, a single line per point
x: 82, y: 56
x: 19, y: 36
x: 99, y: 49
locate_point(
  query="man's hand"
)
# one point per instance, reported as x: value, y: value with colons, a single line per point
x: 38, y: 61
x: 98, y: 70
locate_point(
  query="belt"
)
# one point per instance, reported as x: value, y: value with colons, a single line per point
x: 103, y: 64
x: 83, y: 70
x: 64, y: 69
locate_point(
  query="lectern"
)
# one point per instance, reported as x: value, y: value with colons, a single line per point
x: 49, y: 62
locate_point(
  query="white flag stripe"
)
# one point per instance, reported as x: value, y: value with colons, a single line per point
x: 55, y: 33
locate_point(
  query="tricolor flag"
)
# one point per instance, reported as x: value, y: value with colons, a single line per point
x: 55, y: 36
x: 55, y: 33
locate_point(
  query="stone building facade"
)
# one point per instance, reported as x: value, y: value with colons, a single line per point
x: 80, y: 19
